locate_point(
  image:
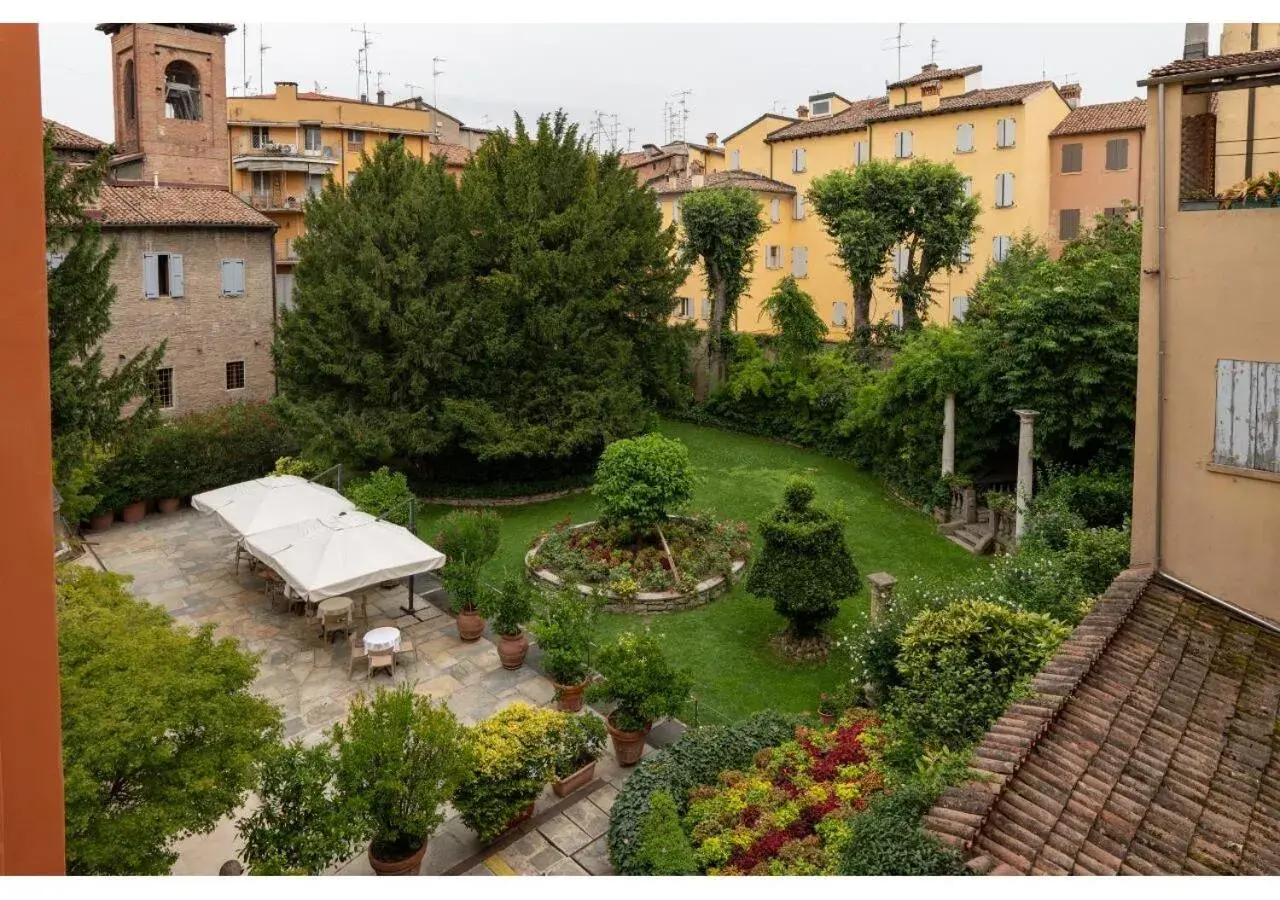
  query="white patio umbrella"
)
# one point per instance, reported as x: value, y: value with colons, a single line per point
x: 338, y: 554
x: 265, y: 503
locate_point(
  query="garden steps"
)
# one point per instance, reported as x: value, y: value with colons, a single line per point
x: 976, y: 537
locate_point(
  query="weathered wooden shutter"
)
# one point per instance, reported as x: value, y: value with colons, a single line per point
x: 861, y: 150
x: 1118, y: 154
x: 233, y: 277
x: 735, y: 159
x: 177, y: 281
x: 1005, y: 133
x: 964, y: 138
x: 799, y: 206
x: 1000, y: 247
x: 775, y: 210
x: 901, y: 256
x: 968, y: 187
x: 959, y: 308
x: 1068, y: 224
x: 800, y: 261
x: 1004, y: 189
x: 1247, y: 428
x: 897, y: 318
x: 150, y: 276
x: 1072, y: 157
x: 705, y: 307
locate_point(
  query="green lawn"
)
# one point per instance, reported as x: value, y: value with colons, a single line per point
x: 725, y: 643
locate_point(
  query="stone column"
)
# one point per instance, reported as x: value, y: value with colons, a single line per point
x: 881, y: 594
x: 949, y: 435
x: 1026, y: 444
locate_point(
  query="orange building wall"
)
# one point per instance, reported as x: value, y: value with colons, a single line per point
x: 31, y: 811
x: 1093, y: 189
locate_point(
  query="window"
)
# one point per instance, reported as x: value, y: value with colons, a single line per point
x: 964, y: 138
x: 235, y: 375
x: 1004, y: 190
x: 1117, y: 154
x: 704, y: 309
x: 675, y: 210
x: 901, y: 259
x: 1246, y: 434
x: 315, y: 185
x: 684, y: 308
x: 162, y: 275
x: 840, y: 313
x: 351, y: 179
x: 130, y: 90
x: 800, y: 262
x: 968, y: 187
x: 966, y: 252
x: 959, y: 308
x: 53, y: 260
x: 861, y: 152
x: 261, y: 184
x: 798, y: 207
x: 775, y: 210
x: 1068, y: 224
x: 1072, y: 157
x: 311, y: 137
x: 233, y: 278
x: 896, y: 318
x: 797, y: 160
x: 1116, y: 212
x: 902, y: 144
x: 355, y: 140
x: 821, y: 108
x: 261, y: 137
x: 181, y: 91
x: 1006, y: 133
x: 162, y: 387
x: 1000, y: 247
x: 773, y: 256
x: 735, y: 159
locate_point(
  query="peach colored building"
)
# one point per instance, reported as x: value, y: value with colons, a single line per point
x: 676, y: 158
x: 1207, y: 454
x: 1095, y: 165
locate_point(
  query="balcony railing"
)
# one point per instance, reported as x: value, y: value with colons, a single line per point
x: 270, y: 203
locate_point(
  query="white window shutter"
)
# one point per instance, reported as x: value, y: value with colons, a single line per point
x: 1247, y: 427
x: 799, y: 206
x: 1001, y: 247
x: 228, y: 277
x: 150, y: 276
x: 675, y: 210
x: 959, y: 308
x: 968, y: 187
x: 966, y: 252
x: 775, y: 210
x: 1008, y: 180
x: 240, y: 286
x: 177, y: 281
x: 735, y: 159
x: 897, y: 318
x: 908, y: 143
x: 1010, y: 132
x: 802, y: 159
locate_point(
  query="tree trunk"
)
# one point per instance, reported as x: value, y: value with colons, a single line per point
x: 715, y: 331
x: 861, y: 307
x: 910, y: 314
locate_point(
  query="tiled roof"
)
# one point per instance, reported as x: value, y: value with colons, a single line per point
x: 760, y: 118
x: 703, y: 147
x: 851, y: 119
x: 1123, y: 116
x: 661, y: 184
x: 979, y: 99
x: 938, y: 74
x: 1149, y: 744
x: 1216, y: 63
x: 453, y: 154
x: 123, y: 206
x: 65, y: 138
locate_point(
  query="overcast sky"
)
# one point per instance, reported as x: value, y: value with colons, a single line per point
x: 735, y: 72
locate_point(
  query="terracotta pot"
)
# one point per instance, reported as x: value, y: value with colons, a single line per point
x: 567, y: 785
x: 407, y: 866
x: 168, y: 504
x: 101, y: 521
x: 512, y: 650
x: 519, y: 818
x: 133, y: 513
x: 470, y: 626
x: 827, y: 718
x: 628, y: 746
x: 569, y: 696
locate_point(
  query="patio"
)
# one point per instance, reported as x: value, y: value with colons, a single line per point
x: 184, y: 562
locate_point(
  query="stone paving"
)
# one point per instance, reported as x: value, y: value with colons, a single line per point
x: 184, y: 562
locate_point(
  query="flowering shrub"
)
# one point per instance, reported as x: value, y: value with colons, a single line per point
x: 790, y: 814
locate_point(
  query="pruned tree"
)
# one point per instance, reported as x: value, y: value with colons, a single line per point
x: 800, y: 328
x: 721, y: 226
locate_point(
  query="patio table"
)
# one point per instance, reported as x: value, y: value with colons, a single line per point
x: 382, y: 639
x: 333, y: 605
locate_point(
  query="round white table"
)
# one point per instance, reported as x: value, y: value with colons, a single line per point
x: 334, y: 605
x: 382, y: 639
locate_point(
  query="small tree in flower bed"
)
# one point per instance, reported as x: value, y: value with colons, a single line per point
x: 791, y: 814
x: 641, y: 480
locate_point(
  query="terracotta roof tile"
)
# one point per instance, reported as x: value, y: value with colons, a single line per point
x: 852, y: 119
x: 980, y: 99
x: 936, y: 74
x: 1211, y: 64
x: 123, y: 206
x: 1163, y: 759
x: 1126, y: 115
x: 662, y: 184
x: 66, y: 138
x: 453, y: 154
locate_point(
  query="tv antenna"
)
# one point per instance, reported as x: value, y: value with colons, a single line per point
x: 362, y: 57
x: 1067, y: 78
x: 244, y: 58
x: 263, y: 47
x: 777, y: 107
x: 898, y: 44
x: 320, y: 88
x: 413, y: 89
x: 933, y: 51
x: 380, y: 73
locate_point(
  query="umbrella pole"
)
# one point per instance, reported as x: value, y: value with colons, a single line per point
x: 413, y: 528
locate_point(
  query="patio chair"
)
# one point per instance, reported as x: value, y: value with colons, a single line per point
x: 332, y: 623
x: 242, y: 553
x: 355, y: 653
x: 382, y: 659
x: 406, y: 646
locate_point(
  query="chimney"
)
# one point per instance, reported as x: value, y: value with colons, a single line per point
x: 286, y: 90
x: 1070, y: 93
x: 712, y: 137
x: 930, y: 94
x: 364, y: 98
x: 802, y: 112
x: 382, y: 97
x: 1196, y: 43
x: 929, y: 67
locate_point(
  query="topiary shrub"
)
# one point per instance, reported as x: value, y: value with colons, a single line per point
x: 805, y: 567
x: 663, y: 848
x: 641, y: 480
x: 696, y: 758
x: 383, y: 493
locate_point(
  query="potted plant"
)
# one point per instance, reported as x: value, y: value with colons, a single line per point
x: 827, y: 709
x: 299, y: 827
x: 400, y: 758
x: 642, y: 685
x: 564, y: 632
x: 469, y: 538
x: 514, y: 752
x: 579, y: 744
x: 508, y: 607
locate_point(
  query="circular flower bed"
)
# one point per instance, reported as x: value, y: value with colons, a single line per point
x: 633, y: 569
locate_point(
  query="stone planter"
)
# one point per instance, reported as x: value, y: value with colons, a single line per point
x: 407, y: 866
x: 101, y: 521
x: 470, y: 626
x: 628, y: 746
x: 567, y: 785
x: 569, y: 696
x: 512, y: 650
x: 168, y: 505
x: 134, y: 512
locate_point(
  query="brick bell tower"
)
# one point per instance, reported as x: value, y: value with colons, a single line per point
x: 170, y: 90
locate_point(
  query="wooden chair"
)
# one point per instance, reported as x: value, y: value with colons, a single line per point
x: 382, y: 659
x: 406, y: 646
x: 356, y: 652
x: 333, y: 622
x: 242, y: 553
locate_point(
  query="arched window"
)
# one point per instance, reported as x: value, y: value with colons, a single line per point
x: 181, y: 91
x: 130, y: 91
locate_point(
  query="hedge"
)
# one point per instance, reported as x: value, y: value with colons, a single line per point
x: 697, y: 758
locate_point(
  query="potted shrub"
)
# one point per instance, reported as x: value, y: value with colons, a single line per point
x: 469, y: 538
x: 579, y: 744
x: 400, y: 758
x: 827, y: 709
x: 643, y: 686
x: 508, y: 607
x: 514, y: 752
x: 564, y: 631
x: 299, y: 827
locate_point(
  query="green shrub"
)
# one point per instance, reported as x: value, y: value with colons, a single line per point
x: 469, y: 539
x: 383, y: 493
x: 578, y: 742
x: 508, y: 606
x: 695, y: 759
x: 640, y: 681
x: 1050, y: 523
x: 641, y: 480
x: 663, y: 847
x: 296, y: 465
x: 888, y: 840
x: 960, y: 665
x: 805, y: 567
x: 1097, y: 556
x: 565, y: 627
x: 1100, y: 498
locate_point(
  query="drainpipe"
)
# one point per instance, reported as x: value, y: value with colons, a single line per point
x: 1161, y: 193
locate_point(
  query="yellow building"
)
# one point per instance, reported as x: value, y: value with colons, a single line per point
x: 998, y: 137
x: 284, y: 145
x: 1248, y: 121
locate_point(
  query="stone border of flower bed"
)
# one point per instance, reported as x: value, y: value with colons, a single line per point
x: 645, y: 601
x: 527, y: 500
